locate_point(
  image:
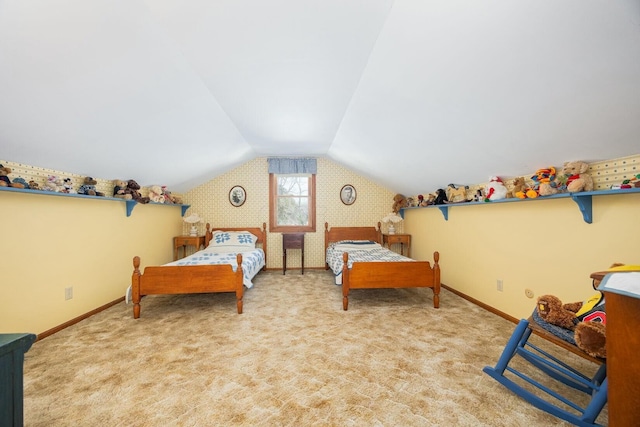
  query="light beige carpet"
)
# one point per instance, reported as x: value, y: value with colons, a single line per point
x: 294, y: 358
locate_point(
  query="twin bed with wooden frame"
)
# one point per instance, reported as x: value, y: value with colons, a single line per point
x: 192, y: 279
x: 379, y: 274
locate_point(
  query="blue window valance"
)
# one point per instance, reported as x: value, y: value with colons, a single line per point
x: 284, y: 165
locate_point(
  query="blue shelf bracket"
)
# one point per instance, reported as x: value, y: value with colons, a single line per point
x: 585, y: 204
x: 184, y: 208
x: 130, y: 205
x: 445, y: 212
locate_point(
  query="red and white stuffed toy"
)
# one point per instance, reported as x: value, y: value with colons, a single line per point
x: 495, y: 190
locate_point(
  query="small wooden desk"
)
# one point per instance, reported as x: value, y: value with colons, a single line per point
x: 403, y: 239
x: 183, y: 242
x: 623, y: 363
x: 292, y: 241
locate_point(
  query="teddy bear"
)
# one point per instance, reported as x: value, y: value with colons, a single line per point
x: 577, y: 177
x: 495, y: 190
x: 155, y: 194
x: 520, y: 190
x: 53, y: 183
x: 399, y: 202
x: 119, y: 189
x: 133, y: 189
x: 4, y: 178
x: 586, y: 319
x: 88, y: 187
x: 34, y: 185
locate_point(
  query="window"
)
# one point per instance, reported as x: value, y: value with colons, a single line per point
x: 292, y: 202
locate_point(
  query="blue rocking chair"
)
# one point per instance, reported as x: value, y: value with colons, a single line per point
x: 519, y: 345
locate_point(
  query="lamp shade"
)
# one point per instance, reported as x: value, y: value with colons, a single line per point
x: 192, y: 219
x: 392, y: 218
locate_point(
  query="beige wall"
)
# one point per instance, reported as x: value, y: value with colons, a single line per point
x: 54, y: 242
x: 211, y: 202
x: 542, y: 245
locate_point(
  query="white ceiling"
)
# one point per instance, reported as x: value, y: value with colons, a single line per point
x: 412, y: 94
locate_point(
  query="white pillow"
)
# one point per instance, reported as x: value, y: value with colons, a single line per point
x: 242, y: 239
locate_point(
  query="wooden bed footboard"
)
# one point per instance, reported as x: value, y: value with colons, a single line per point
x: 192, y: 279
x: 409, y: 274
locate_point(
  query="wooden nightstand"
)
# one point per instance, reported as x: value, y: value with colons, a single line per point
x: 403, y: 239
x: 292, y: 241
x: 183, y: 242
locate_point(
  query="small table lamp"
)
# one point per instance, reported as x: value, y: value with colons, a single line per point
x: 392, y: 219
x: 193, y: 219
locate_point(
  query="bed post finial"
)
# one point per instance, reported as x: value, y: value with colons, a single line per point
x: 135, y: 287
x: 436, y: 279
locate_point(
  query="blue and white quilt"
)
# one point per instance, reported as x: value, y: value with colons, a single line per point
x: 252, y: 261
x: 359, y: 251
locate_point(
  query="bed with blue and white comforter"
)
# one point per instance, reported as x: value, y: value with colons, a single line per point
x: 252, y: 261
x: 359, y: 251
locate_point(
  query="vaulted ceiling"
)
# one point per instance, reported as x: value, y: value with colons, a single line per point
x: 412, y: 94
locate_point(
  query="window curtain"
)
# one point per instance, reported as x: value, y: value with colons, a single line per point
x: 282, y: 165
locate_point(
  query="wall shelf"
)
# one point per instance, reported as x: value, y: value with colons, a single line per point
x: 583, y: 200
x: 130, y: 204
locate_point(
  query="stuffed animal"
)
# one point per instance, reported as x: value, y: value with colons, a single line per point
x: 20, y: 182
x: 4, y: 178
x: 54, y: 183
x: 522, y: 191
x: 587, y: 319
x: 166, y: 195
x: 633, y: 182
x: 67, y: 186
x: 441, y: 197
x: 495, y: 190
x: 133, y: 189
x: 399, y: 202
x: 119, y: 188
x: 170, y: 198
x: 478, y: 197
x: 577, y: 177
x: 457, y: 195
x: 517, y: 185
x: 545, y: 180
x: 88, y: 187
x: 155, y: 194
x: 34, y: 185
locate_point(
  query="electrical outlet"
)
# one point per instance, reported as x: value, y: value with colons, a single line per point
x: 68, y: 293
x: 499, y: 285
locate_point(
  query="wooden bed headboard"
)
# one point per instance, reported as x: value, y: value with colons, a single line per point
x: 260, y: 233
x: 335, y: 234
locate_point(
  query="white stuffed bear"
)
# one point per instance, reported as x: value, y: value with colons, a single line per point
x: 54, y: 183
x: 155, y: 194
x: 495, y: 190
